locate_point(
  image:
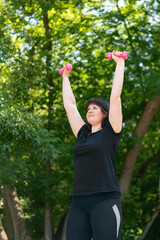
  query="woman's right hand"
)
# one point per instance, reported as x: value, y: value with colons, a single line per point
x: 65, y: 71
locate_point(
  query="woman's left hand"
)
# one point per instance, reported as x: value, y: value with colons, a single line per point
x: 117, y: 59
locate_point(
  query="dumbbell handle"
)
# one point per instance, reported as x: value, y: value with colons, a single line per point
x: 122, y: 55
x: 68, y: 67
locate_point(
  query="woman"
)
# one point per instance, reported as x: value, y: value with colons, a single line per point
x: 95, y: 209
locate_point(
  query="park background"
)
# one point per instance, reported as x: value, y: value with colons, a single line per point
x: 36, y: 143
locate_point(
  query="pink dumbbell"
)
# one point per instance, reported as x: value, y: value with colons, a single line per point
x: 68, y: 67
x: 122, y: 55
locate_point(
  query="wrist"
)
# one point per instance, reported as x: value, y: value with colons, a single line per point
x: 65, y: 76
x: 120, y: 61
x: 120, y: 64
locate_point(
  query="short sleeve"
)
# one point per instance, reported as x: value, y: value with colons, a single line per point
x: 82, y: 131
x: 117, y: 135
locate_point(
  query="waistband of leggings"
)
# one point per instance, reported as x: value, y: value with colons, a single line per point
x: 113, y: 194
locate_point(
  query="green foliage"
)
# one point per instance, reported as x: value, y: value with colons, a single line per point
x: 81, y: 32
x: 23, y: 136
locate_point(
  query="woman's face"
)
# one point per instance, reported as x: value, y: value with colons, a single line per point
x: 95, y: 115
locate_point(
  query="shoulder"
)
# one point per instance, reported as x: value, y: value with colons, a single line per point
x: 82, y: 131
x: 111, y: 131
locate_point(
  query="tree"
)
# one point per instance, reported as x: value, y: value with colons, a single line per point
x: 37, y: 37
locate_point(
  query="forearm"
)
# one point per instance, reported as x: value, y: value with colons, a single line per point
x: 118, y: 80
x: 68, y: 97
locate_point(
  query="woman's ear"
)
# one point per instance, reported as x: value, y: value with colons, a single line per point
x: 105, y: 114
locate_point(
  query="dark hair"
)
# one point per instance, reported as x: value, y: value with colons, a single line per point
x: 103, y: 104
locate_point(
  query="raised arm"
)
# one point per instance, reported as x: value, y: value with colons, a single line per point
x: 115, y: 112
x: 69, y: 101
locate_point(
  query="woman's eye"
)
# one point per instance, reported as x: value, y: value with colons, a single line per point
x: 94, y: 107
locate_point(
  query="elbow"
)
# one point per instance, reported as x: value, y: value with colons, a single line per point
x: 68, y: 105
x: 115, y: 97
x: 67, y: 102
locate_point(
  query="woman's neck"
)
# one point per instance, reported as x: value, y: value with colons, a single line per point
x: 96, y: 128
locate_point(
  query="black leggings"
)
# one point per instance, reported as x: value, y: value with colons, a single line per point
x: 97, y: 215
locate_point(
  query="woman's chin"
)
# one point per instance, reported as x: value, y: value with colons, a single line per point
x: 91, y: 122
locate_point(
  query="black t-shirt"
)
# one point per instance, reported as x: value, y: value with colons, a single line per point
x: 95, y: 156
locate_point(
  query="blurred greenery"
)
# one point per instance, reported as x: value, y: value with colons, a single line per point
x: 82, y: 33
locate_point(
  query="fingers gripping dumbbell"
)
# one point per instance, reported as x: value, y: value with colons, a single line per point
x: 122, y: 55
x: 68, y: 67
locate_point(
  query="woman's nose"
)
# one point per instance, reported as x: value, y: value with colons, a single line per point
x: 90, y: 110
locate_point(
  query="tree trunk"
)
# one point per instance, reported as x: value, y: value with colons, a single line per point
x: 8, y: 220
x: 48, y: 205
x: 18, y: 220
x: 48, y: 210
x: 61, y: 230
x: 3, y: 235
x: 63, y: 237
x: 48, y: 221
x: 141, y: 128
x: 149, y: 224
